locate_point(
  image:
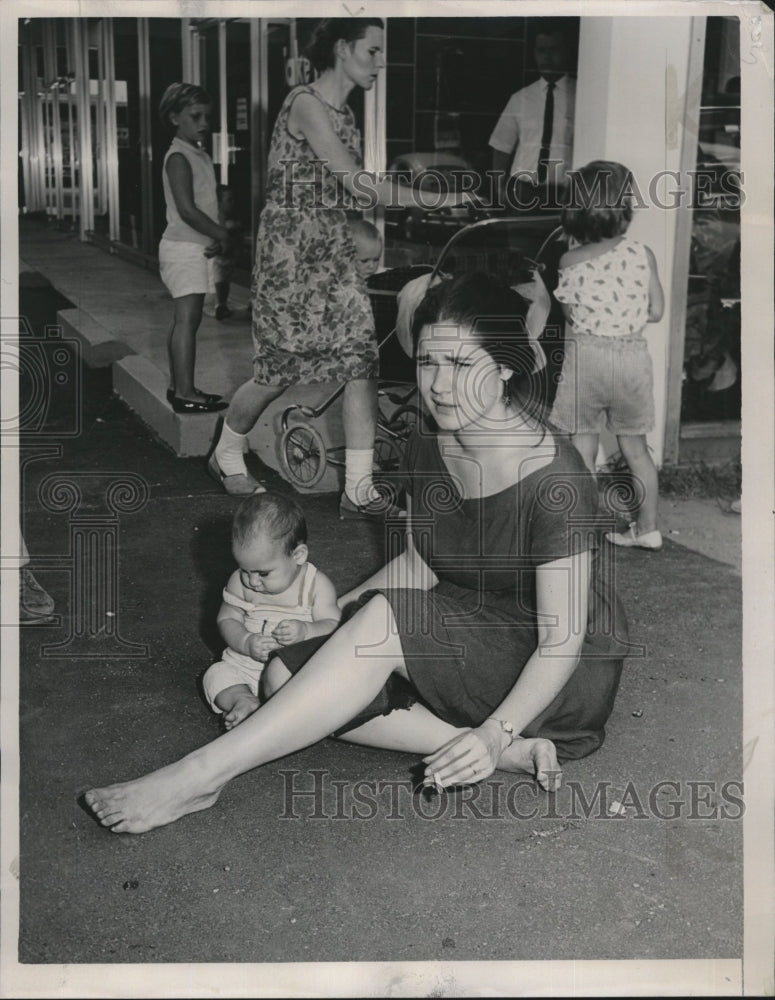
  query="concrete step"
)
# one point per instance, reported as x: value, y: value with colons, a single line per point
x: 99, y: 347
x: 143, y: 387
x: 712, y: 442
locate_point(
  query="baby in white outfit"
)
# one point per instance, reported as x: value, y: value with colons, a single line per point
x: 275, y: 598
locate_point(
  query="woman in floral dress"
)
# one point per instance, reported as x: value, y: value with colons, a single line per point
x: 312, y: 320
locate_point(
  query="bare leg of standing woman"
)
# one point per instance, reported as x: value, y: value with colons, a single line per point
x: 227, y: 463
x: 359, y: 419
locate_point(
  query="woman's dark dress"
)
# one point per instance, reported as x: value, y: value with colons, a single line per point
x: 466, y: 642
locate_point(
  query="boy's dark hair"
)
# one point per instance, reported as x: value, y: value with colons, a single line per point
x: 320, y: 48
x: 600, y: 197
x: 273, y: 514
x: 179, y: 96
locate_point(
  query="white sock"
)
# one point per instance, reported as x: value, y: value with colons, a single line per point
x: 230, y: 452
x: 358, y: 484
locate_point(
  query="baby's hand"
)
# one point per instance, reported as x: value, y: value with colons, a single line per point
x: 290, y: 631
x: 260, y: 646
x: 214, y: 249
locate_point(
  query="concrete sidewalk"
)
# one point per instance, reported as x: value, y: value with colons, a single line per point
x: 121, y: 316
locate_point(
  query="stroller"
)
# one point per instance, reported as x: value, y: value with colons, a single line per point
x: 311, y: 443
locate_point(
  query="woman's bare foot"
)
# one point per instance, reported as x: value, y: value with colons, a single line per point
x: 242, y: 706
x: 535, y: 756
x: 154, y: 800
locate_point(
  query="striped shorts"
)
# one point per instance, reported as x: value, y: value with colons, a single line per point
x: 605, y: 381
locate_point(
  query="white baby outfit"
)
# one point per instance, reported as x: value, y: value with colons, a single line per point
x: 261, y: 615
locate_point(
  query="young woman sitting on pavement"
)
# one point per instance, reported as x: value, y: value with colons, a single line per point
x: 492, y: 641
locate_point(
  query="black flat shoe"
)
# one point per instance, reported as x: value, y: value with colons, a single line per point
x: 194, y: 406
x: 207, y: 397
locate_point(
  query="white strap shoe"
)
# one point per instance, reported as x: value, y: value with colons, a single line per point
x: 631, y: 539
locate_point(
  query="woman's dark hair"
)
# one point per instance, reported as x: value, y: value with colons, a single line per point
x: 273, y: 514
x: 495, y: 314
x: 320, y: 48
x: 600, y: 197
x: 179, y: 96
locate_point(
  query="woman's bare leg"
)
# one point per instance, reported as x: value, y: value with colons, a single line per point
x: 359, y: 413
x: 338, y: 681
x: 417, y: 730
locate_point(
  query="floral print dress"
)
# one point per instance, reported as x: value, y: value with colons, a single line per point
x: 312, y: 320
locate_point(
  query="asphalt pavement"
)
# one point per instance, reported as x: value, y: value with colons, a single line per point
x: 330, y: 855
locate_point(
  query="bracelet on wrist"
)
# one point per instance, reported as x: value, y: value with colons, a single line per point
x: 506, y: 727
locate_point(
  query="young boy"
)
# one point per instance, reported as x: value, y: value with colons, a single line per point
x: 368, y: 247
x: 275, y: 598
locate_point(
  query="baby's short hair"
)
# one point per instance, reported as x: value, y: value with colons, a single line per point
x: 600, y: 201
x: 179, y: 96
x: 272, y: 514
x: 366, y: 230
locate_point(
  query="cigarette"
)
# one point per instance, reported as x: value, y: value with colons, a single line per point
x: 263, y: 626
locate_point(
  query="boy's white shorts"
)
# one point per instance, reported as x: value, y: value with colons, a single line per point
x: 184, y: 268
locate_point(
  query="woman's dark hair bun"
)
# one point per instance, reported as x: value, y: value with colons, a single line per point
x: 320, y: 48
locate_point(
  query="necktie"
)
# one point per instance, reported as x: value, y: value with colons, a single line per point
x: 546, y: 135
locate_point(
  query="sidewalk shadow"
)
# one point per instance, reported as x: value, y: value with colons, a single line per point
x: 211, y: 551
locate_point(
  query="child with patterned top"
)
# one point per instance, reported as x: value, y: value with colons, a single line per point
x: 275, y: 598
x: 609, y: 289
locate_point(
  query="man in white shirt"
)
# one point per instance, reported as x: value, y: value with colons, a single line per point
x: 532, y: 144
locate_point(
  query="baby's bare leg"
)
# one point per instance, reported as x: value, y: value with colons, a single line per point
x: 237, y: 703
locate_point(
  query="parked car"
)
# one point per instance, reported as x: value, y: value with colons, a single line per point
x: 434, y: 174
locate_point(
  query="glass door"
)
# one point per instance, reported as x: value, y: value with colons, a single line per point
x: 232, y: 142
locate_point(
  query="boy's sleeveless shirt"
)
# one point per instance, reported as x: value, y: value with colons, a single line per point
x: 205, y: 194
